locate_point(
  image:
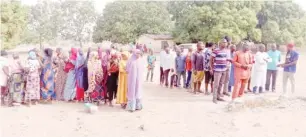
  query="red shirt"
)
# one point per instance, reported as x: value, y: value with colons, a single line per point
x: 188, y: 62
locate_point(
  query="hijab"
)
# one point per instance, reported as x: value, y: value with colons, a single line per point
x: 32, y: 55
x: 73, y: 54
x: 106, y: 57
x: 48, y: 52
x: 80, y: 58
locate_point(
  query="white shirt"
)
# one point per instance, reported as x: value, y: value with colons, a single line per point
x: 3, y: 78
x: 162, y: 56
x: 169, y: 61
x: 260, y: 63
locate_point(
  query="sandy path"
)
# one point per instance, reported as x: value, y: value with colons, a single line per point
x: 166, y: 113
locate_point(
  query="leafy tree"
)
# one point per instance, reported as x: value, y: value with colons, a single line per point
x: 209, y: 21
x: 13, y: 20
x: 124, y: 21
x: 282, y: 22
x: 78, y: 20
x: 43, y: 22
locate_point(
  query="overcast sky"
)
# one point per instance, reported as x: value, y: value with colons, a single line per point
x: 100, y: 4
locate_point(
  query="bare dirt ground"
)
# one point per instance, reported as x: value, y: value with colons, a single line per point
x: 166, y: 113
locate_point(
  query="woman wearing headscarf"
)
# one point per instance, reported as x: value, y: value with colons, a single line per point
x: 134, y: 69
x: 47, y: 77
x: 70, y: 86
x: 80, y: 67
x: 95, y: 73
x: 113, y: 72
x: 32, y: 67
x: 104, y: 62
x: 61, y: 75
x: 122, y: 80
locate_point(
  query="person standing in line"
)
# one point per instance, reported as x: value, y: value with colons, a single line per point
x: 219, y: 59
x: 4, y: 74
x: 134, y: 71
x: 232, y: 74
x: 180, y: 67
x: 198, y: 67
x: 289, y: 67
x: 122, y: 80
x: 113, y: 72
x: 162, y: 56
x: 151, y: 59
x: 32, y: 92
x: 47, y: 77
x: 80, y: 73
x: 259, y: 69
x: 168, y: 65
x: 104, y: 62
x: 228, y: 67
x: 189, y: 67
x: 209, y: 77
x: 275, y: 55
x: 253, y: 51
x: 95, y: 73
x: 70, y: 86
x: 243, y: 63
x: 61, y: 75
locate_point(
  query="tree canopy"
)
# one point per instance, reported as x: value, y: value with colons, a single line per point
x: 13, y: 21
x: 125, y: 21
x: 270, y: 21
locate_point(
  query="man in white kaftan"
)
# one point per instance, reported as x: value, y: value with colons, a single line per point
x: 259, y: 71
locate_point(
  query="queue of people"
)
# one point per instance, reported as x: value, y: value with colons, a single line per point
x: 97, y: 76
x: 226, y: 70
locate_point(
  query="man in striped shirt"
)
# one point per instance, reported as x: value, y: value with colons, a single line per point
x: 219, y: 60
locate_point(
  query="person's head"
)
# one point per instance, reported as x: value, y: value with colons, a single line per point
x: 190, y: 49
x: 228, y: 39
x: 4, y: 53
x: 151, y: 51
x: 290, y: 46
x: 167, y: 49
x: 80, y: 52
x: 210, y: 45
x: 93, y: 56
x: 58, y: 51
x: 179, y: 52
x: 246, y: 46
x: 261, y: 48
x: 200, y: 45
x: 233, y: 48
x: 137, y: 53
x: 125, y: 55
x: 223, y: 43
x: 32, y: 55
x: 273, y: 47
x: 48, y: 52
x: 15, y: 56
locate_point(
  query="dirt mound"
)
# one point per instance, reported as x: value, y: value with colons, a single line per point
x: 280, y: 102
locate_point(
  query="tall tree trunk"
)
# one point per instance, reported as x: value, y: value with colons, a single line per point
x: 81, y: 44
x: 40, y: 42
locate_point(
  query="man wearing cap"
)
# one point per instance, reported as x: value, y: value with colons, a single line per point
x: 289, y: 67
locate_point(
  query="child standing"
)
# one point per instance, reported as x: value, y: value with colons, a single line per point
x: 151, y: 64
x: 180, y: 68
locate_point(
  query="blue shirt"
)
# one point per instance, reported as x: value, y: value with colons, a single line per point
x: 180, y: 63
x: 276, y: 57
x: 291, y: 56
x: 151, y: 60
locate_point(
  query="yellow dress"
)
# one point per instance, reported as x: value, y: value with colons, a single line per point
x: 122, y: 84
